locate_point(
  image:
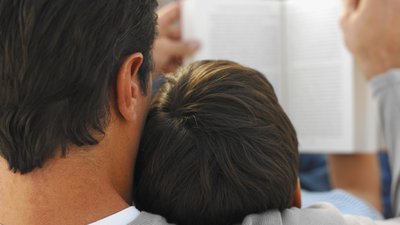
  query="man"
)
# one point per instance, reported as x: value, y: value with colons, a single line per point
x: 372, y: 33
x: 74, y: 92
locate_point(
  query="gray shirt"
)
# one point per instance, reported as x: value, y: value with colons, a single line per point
x: 386, y: 90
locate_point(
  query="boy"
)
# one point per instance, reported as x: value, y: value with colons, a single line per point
x: 217, y: 147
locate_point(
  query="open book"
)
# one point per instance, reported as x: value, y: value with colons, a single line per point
x: 298, y: 46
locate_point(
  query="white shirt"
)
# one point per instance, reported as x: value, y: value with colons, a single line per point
x: 120, y: 218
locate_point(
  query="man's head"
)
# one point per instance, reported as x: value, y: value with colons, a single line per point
x: 216, y: 147
x: 59, y: 61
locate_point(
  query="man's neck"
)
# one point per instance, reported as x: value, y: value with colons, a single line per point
x: 65, y: 191
x: 89, y: 184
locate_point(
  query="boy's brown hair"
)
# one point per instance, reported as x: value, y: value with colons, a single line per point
x: 217, y: 147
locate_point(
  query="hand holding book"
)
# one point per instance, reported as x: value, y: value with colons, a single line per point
x: 371, y: 31
x: 169, y: 49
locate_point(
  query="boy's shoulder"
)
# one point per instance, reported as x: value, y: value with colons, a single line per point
x: 315, y: 214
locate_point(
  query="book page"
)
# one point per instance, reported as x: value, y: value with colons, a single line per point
x: 244, y: 31
x: 319, y: 76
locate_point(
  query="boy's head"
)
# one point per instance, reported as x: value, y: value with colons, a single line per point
x: 217, y: 146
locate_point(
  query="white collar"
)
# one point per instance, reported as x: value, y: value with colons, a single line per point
x: 120, y: 218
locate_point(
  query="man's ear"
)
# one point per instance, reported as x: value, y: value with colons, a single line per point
x: 296, y: 202
x: 126, y: 90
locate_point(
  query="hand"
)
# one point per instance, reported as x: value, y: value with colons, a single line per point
x: 169, y: 50
x: 371, y: 30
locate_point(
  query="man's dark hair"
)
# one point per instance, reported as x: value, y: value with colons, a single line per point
x: 217, y: 147
x: 58, y: 65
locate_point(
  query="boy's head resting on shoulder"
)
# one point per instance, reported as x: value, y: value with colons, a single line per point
x: 217, y: 147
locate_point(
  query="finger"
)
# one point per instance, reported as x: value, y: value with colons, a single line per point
x: 174, y: 33
x: 183, y: 48
x: 173, y: 64
x: 170, y: 68
x: 349, y: 6
x: 168, y: 15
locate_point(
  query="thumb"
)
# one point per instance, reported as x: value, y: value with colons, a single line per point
x: 183, y: 48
